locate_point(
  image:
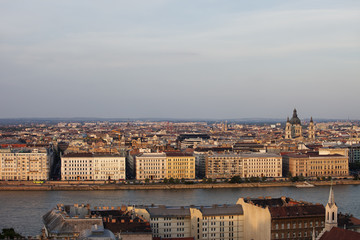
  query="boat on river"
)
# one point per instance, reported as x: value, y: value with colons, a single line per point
x: 304, y: 185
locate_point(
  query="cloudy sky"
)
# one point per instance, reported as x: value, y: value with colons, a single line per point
x: 216, y: 59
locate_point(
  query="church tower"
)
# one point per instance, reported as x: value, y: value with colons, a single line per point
x: 311, y: 130
x: 288, y: 129
x: 331, y: 211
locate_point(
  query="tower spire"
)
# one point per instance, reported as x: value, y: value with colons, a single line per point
x: 331, y: 211
x: 331, y: 196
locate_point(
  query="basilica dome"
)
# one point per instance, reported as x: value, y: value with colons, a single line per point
x: 295, y: 119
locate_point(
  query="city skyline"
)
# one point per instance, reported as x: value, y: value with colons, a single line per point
x: 179, y: 59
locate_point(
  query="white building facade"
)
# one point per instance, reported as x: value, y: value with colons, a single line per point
x: 88, y: 166
x: 152, y: 166
x: 24, y: 164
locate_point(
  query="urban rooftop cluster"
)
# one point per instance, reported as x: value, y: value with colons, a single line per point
x: 147, y: 151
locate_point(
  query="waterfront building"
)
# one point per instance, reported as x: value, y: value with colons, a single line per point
x: 245, y: 165
x: 82, y: 222
x: 25, y: 164
x: 124, y: 224
x: 262, y: 165
x: 294, y: 129
x: 210, y: 222
x: 69, y: 221
x: 180, y: 165
x: 354, y: 153
x: 200, y: 164
x: 315, y: 165
x: 223, y: 165
x: 89, y: 166
x: 152, y: 166
x: 289, y: 219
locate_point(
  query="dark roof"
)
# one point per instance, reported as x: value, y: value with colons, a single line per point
x: 217, y: 210
x: 273, y: 202
x: 121, y: 221
x: 297, y: 211
x: 348, y: 220
x: 340, y: 234
x: 178, y: 154
x: 163, y: 211
x: 182, y: 137
x: 311, y: 155
x: 89, y: 155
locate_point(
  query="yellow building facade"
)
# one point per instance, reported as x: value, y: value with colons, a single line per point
x: 315, y: 165
x: 180, y: 165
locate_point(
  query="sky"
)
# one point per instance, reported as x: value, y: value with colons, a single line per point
x: 214, y: 59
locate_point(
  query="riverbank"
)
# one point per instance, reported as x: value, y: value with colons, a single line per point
x: 91, y: 186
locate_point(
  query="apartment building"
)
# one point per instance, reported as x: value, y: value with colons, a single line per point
x: 243, y: 165
x: 287, y: 218
x: 262, y: 165
x: 152, y: 166
x: 354, y: 153
x: 89, y: 166
x: 200, y: 222
x: 316, y: 165
x: 223, y: 165
x: 180, y: 165
x: 25, y: 164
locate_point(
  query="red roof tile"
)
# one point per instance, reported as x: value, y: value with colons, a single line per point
x: 340, y: 234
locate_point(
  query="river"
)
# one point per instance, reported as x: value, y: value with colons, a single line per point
x: 23, y: 210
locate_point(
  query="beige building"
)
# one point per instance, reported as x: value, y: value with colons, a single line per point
x: 151, y: 166
x: 212, y: 222
x: 262, y: 165
x: 257, y: 221
x: 180, y: 165
x: 244, y: 165
x: 316, y: 165
x: 89, y: 166
x: 24, y: 164
x: 223, y: 165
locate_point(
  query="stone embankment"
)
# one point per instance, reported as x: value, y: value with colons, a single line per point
x: 101, y: 185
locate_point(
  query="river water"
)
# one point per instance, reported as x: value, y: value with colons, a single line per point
x: 23, y: 210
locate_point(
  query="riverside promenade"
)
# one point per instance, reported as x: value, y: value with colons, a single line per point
x: 105, y: 185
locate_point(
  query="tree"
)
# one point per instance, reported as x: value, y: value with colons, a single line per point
x: 9, y: 233
x: 147, y: 180
x: 295, y: 179
x: 254, y: 179
x: 171, y: 180
x: 165, y: 180
x: 236, y: 179
x: 356, y: 176
x: 182, y: 180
